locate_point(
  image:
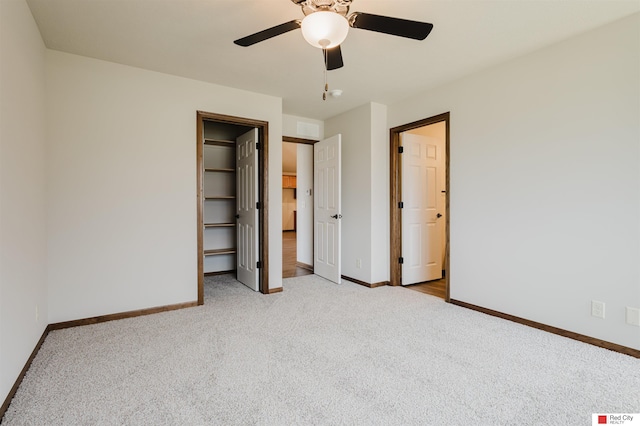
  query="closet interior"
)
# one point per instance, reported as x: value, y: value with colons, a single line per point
x: 219, y: 196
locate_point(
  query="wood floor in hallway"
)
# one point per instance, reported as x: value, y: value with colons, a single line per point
x: 290, y: 268
x: 289, y: 257
x: 435, y: 288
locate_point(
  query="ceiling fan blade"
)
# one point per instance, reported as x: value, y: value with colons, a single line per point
x: 268, y: 33
x: 333, y: 58
x: 387, y: 25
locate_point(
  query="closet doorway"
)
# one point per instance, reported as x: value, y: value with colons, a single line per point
x: 232, y: 199
x: 420, y: 205
x: 297, y: 206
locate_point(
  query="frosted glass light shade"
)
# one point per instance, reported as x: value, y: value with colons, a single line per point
x: 325, y: 29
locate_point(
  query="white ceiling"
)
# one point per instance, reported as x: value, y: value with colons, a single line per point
x: 194, y: 39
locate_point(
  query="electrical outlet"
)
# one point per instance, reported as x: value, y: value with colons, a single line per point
x: 633, y: 316
x: 597, y: 309
x: 358, y: 263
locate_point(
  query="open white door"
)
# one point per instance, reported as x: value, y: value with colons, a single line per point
x: 247, y: 212
x: 326, y: 183
x: 422, y: 204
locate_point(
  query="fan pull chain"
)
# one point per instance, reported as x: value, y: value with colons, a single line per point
x: 326, y: 85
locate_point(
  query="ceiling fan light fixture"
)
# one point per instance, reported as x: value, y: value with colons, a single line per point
x: 325, y: 29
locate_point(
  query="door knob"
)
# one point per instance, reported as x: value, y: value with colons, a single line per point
x: 438, y: 215
x: 237, y: 216
x: 337, y: 216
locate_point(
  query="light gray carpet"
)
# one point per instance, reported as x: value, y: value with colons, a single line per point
x: 320, y: 353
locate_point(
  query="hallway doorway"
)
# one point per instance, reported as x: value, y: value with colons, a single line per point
x: 297, y: 206
x: 420, y: 205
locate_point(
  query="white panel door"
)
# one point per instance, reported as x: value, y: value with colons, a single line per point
x: 327, y: 205
x: 421, y: 239
x: 247, y: 212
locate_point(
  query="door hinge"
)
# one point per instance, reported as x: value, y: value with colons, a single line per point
x: 401, y: 260
x: 401, y: 205
x: 258, y: 205
x: 259, y: 264
x: 257, y: 145
x: 400, y: 149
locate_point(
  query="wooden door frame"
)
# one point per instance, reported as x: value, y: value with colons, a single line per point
x: 302, y: 141
x: 263, y: 193
x: 395, y: 198
x: 299, y: 140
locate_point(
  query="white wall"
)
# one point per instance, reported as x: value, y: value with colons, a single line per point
x: 22, y: 190
x: 305, y: 204
x: 355, y: 127
x: 379, y: 194
x: 365, y: 191
x: 121, y: 175
x: 545, y: 187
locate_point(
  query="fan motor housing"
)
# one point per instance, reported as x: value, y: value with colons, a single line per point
x: 310, y: 6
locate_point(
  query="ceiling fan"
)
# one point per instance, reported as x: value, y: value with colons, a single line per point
x: 326, y: 24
